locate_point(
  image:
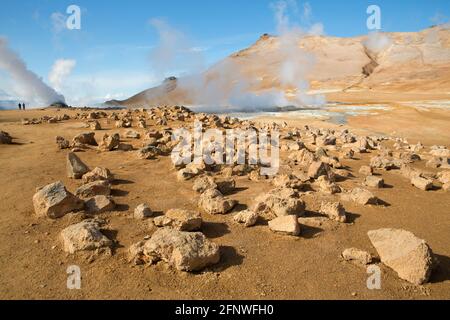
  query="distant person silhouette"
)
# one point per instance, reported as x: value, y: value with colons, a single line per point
x: 23, y: 106
x: 20, y: 106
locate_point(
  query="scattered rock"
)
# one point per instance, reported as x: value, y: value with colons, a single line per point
x: 87, y: 138
x: 247, y: 218
x: 422, y: 183
x: 55, y: 201
x: 286, y: 225
x: 132, y: 134
x: 100, y: 204
x: 226, y: 185
x: 334, y: 211
x: 203, y: 183
x: 5, y: 138
x: 213, y: 202
x: 317, y: 169
x: 357, y: 256
x: 62, y: 143
x: 75, y: 167
x: 184, y: 220
x: 85, y: 236
x: 110, y: 143
x: 95, y: 188
x: 147, y: 152
x: 363, y: 196
x: 366, y: 170
x: 95, y: 125
x: 326, y: 186
x: 280, y: 202
x: 374, y: 181
x: 125, y: 147
x: 98, y: 174
x: 185, y: 251
x: 142, y: 211
x: 403, y: 252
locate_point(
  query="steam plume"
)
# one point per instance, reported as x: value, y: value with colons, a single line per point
x: 61, y: 69
x: 225, y: 86
x: 28, y: 85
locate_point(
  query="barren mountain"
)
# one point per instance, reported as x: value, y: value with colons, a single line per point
x: 407, y: 63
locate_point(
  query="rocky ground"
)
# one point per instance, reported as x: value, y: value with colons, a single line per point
x: 98, y: 189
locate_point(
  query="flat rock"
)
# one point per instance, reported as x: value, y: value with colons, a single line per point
x: 286, y: 225
x: 374, y: 181
x: 403, y: 252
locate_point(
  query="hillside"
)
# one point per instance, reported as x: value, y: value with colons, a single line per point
x: 408, y: 64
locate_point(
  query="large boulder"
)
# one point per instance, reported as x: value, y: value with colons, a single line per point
x: 185, y: 251
x: 55, y: 201
x: 85, y: 236
x: 403, y: 252
x: 75, y: 167
x: 280, y: 202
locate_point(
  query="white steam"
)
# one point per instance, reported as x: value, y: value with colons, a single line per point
x: 224, y: 86
x: 61, y: 69
x: 376, y: 42
x: 296, y: 63
x: 28, y: 86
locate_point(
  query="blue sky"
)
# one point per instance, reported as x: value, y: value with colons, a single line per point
x: 113, y: 48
